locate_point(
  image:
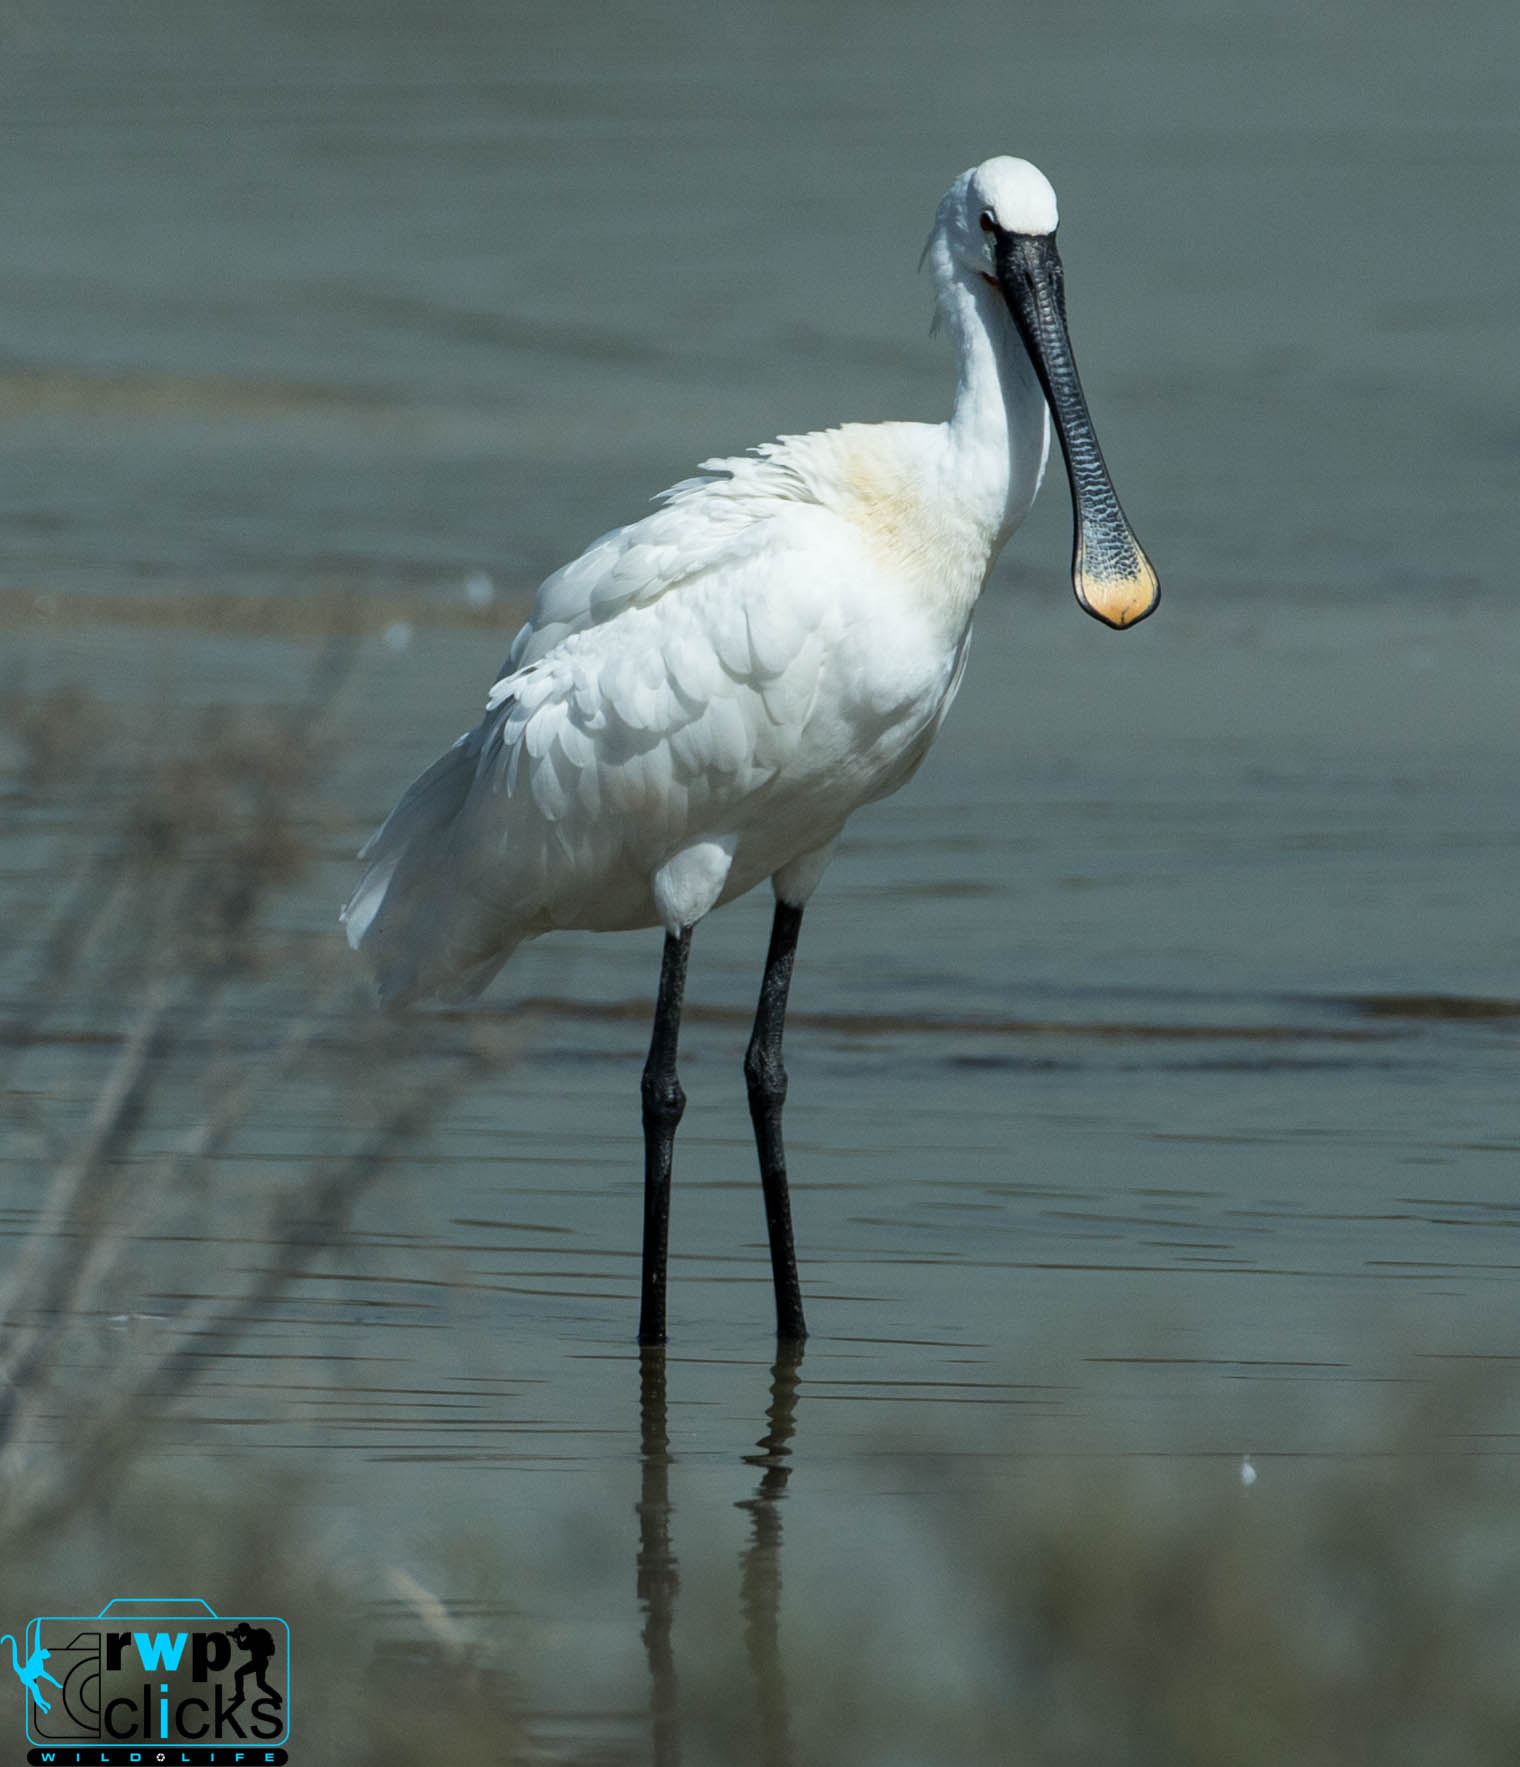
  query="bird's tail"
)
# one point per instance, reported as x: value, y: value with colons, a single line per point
x: 414, y: 916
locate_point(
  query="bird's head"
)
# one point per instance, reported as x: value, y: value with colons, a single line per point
x: 997, y: 223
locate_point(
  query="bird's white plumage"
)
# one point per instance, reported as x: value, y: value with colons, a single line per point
x: 1017, y: 194
x: 701, y: 698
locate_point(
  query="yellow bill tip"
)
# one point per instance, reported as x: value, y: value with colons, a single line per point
x: 1121, y: 597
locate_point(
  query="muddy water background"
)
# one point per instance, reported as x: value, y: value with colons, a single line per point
x: 1153, y: 1053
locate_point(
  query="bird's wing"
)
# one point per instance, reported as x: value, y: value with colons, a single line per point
x: 706, y: 674
x: 595, y: 761
x: 700, y: 519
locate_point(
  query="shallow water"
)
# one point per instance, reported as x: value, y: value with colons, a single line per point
x: 1153, y: 1053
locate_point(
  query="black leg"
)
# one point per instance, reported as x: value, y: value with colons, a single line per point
x: 767, y: 1094
x: 664, y: 1102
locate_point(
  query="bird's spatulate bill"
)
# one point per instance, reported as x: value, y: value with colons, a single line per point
x: 1113, y: 578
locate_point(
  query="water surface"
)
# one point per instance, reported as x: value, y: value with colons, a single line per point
x: 1152, y: 1053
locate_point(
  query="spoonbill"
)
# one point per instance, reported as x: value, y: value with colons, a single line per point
x: 700, y: 700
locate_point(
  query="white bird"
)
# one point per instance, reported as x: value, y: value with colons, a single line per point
x: 701, y: 699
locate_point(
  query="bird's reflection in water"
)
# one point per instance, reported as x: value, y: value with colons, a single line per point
x: 658, y: 1579
x: 760, y: 1567
x: 760, y: 1564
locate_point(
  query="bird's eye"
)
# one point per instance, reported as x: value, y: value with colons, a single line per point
x: 988, y: 221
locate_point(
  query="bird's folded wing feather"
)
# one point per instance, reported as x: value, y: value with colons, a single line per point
x: 699, y: 519
x: 702, y: 686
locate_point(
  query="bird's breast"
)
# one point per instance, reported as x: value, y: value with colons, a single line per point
x: 928, y: 546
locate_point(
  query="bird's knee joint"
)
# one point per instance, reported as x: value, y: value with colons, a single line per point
x: 664, y: 1101
x: 766, y: 1077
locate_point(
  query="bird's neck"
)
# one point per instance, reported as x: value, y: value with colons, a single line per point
x: 998, y: 435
